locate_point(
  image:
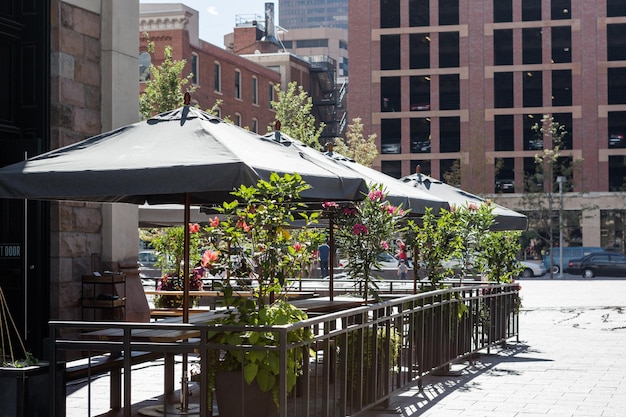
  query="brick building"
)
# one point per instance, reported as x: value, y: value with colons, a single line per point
x: 244, y: 87
x: 446, y: 83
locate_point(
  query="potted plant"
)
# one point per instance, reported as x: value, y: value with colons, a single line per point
x: 260, y: 223
x: 24, y: 380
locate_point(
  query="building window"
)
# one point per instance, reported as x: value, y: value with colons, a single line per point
x: 532, y: 89
x: 617, y: 129
x: 503, y: 90
x: 562, y: 88
x: 194, y: 68
x: 561, y: 44
x: 255, y: 125
x: 504, y: 175
x: 617, y: 170
x: 420, y: 93
x: 255, y: 90
x: 312, y: 43
x: 533, y: 178
x: 502, y: 11
x: 419, y: 13
x: 504, y: 132
x: 616, y: 42
x: 389, y: 13
x: 612, y: 223
x: 449, y: 92
x: 390, y: 134
x: 448, y: 49
x: 145, y: 61
x: 419, y: 50
x: 565, y: 120
x: 237, y: 84
x: 561, y: 9
x: 424, y: 166
x: 503, y: 47
x: 617, y: 85
x: 531, y: 10
x: 448, y: 12
x: 270, y: 95
x: 450, y: 134
x: 531, y: 46
x: 392, y: 168
x: 450, y: 172
x: 343, y: 45
x: 615, y: 8
x: 390, y: 52
x: 390, y: 94
x: 217, y: 77
x: 420, y: 135
x: 238, y: 119
x: 533, y: 140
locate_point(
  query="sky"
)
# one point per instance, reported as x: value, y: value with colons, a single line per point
x: 217, y: 17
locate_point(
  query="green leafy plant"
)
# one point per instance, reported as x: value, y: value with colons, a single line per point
x: 8, y: 334
x: 260, y: 223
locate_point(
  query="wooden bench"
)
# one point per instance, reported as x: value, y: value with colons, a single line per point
x: 102, y: 364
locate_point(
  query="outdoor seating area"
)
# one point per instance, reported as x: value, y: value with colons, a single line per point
x: 357, y: 356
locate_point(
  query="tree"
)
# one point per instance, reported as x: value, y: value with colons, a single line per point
x: 164, y: 89
x: 293, y: 111
x: 356, y: 146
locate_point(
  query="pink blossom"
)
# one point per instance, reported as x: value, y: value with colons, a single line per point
x: 359, y: 229
x: 214, y: 222
x: 472, y: 207
x: 391, y: 209
x: 384, y: 244
x: 298, y: 247
x: 194, y: 228
x: 326, y: 205
x: 376, y: 195
x: 242, y: 225
x: 349, y: 211
x: 209, y: 257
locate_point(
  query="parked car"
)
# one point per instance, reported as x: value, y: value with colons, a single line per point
x: 616, y: 141
x: 390, y: 148
x: 385, y: 260
x: 505, y: 186
x: 533, y: 269
x: 602, y: 264
x: 569, y: 252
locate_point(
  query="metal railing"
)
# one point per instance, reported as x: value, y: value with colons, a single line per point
x: 357, y: 358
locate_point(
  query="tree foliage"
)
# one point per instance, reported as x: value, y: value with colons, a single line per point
x: 293, y: 111
x: 165, y: 89
x: 363, y: 150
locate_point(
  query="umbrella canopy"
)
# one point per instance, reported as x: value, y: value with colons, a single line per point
x: 398, y: 194
x: 185, y: 152
x: 506, y: 219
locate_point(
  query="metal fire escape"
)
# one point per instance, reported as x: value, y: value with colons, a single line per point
x: 327, y: 97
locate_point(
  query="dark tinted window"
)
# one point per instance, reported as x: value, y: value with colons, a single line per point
x: 448, y: 49
x: 617, y: 167
x: 562, y: 88
x: 565, y: 120
x: 531, y: 46
x: 419, y: 50
x: 531, y: 10
x: 504, y: 133
x: 503, y: 47
x: 616, y: 42
x: 420, y: 93
x: 561, y: 44
x: 449, y: 134
x: 391, y: 168
x: 502, y: 11
x: 617, y: 85
x: 448, y: 12
x: 615, y: 8
x: 532, y: 140
x: 420, y: 135
x: 449, y: 92
x: 532, y: 89
x: 419, y: 11
x: 503, y: 90
x: 389, y: 13
x: 560, y: 9
x: 391, y: 131
x: 390, y: 96
x: 390, y: 52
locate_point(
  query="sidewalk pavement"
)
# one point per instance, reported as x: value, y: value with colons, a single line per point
x: 569, y: 361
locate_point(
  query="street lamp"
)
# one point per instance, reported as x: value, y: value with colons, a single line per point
x: 561, y: 180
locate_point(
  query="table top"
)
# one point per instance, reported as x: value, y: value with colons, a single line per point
x: 326, y: 305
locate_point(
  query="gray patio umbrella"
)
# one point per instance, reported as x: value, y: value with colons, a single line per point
x: 184, y: 156
x: 506, y: 219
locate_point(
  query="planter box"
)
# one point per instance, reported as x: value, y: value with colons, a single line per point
x: 25, y: 392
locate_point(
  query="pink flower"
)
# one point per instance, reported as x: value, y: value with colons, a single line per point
x: 348, y: 211
x: 194, y: 228
x: 242, y: 225
x: 359, y: 229
x: 376, y: 195
x: 209, y: 257
x: 472, y: 207
x: 384, y: 244
x: 390, y: 209
x: 327, y: 205
x: 214, y: 222
x: 298, y: 247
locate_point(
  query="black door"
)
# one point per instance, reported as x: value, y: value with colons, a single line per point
x: 24, y: 131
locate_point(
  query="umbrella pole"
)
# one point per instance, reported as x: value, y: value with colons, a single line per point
x: 184, y: 389
x: 331, y: 258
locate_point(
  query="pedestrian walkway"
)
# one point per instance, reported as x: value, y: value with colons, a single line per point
x: 569, y: 361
